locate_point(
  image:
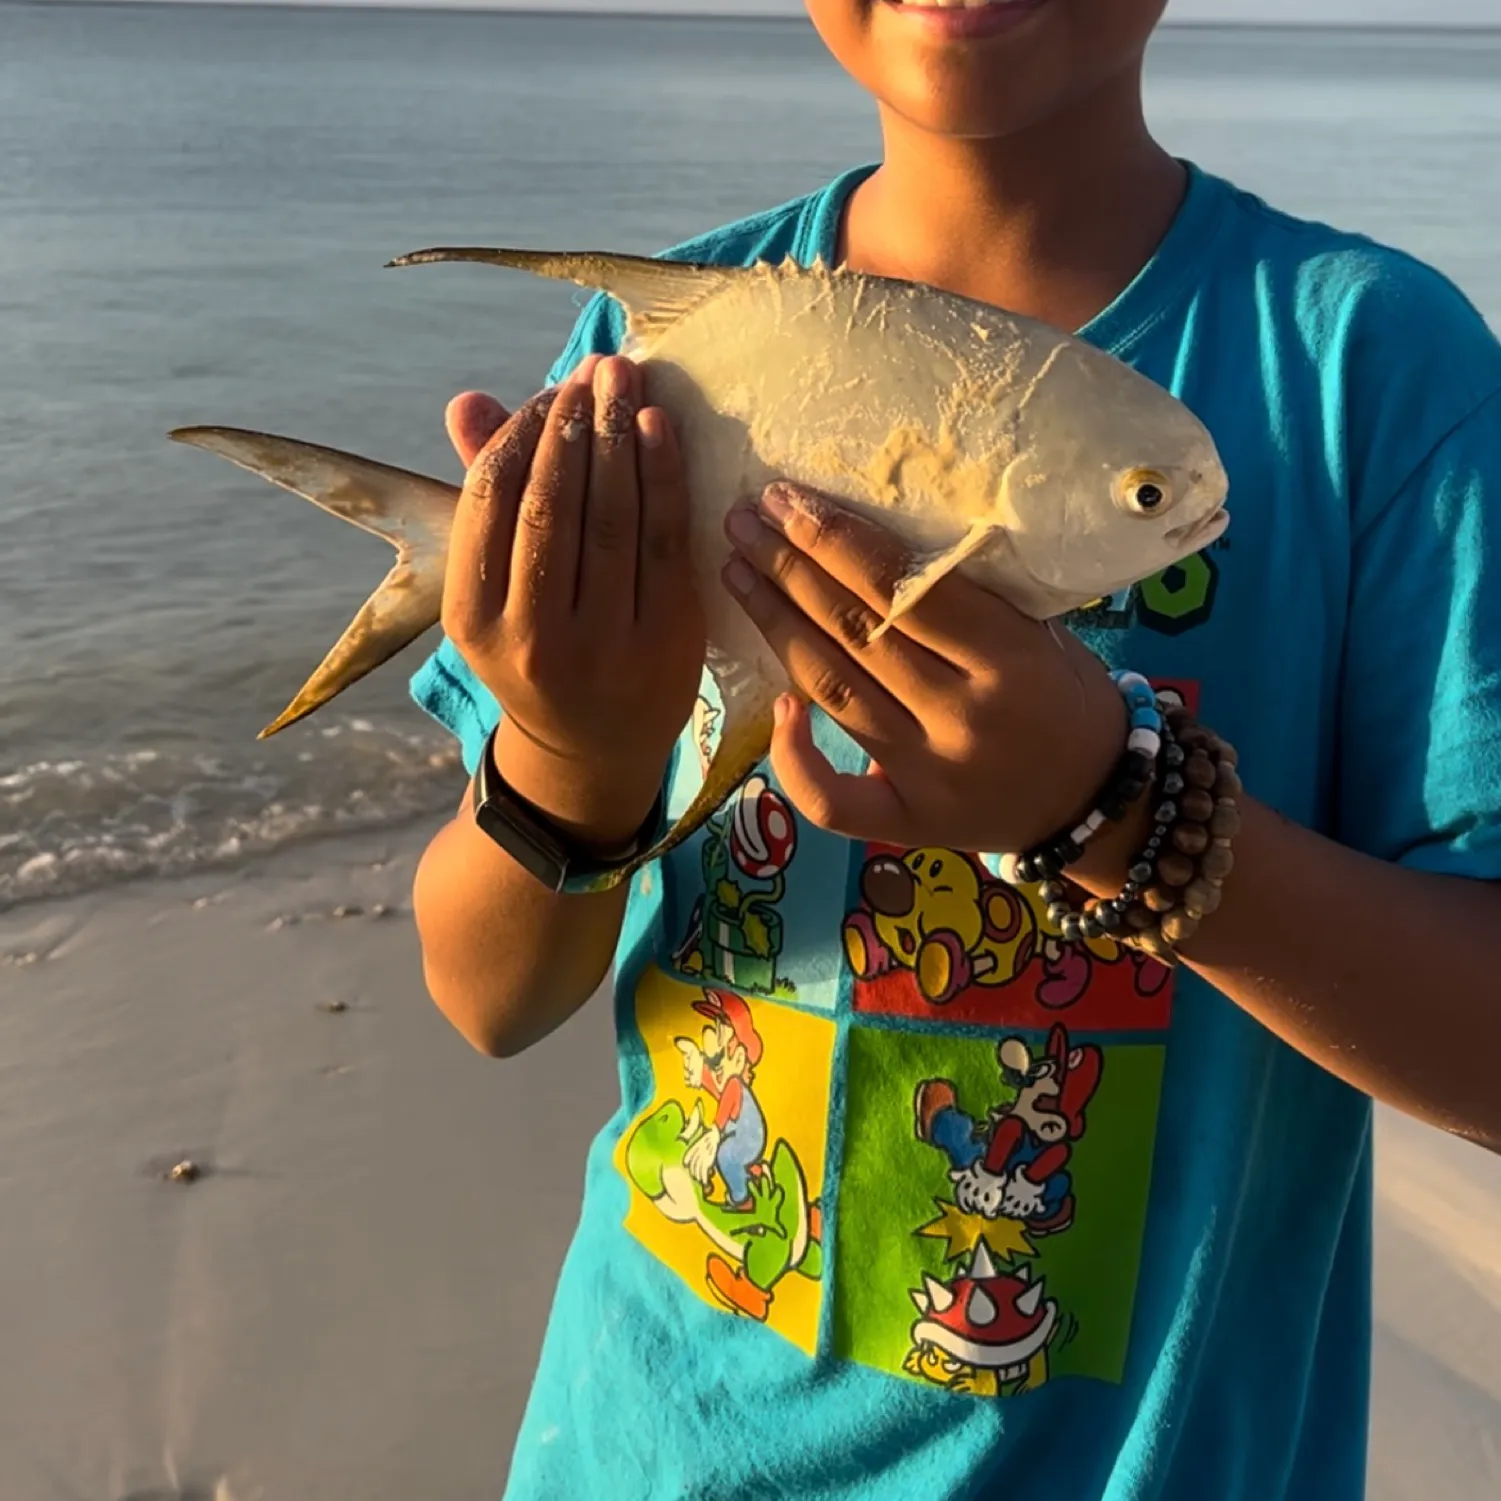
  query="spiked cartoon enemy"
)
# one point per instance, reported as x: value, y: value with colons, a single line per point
x: 985, y: 1332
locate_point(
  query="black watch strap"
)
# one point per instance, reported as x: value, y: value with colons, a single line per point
x: 537, y: 844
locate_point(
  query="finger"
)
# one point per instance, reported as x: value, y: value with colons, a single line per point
x: 612, y: 505
x: 472, y: 419
x: 549, y: 520
x: 868, y: 560
x: 908, y: 669
x: 859, y: 807
x: 663, y: 562
x: 479, y: 550
x: 819, y: 665
x: 583, y: 372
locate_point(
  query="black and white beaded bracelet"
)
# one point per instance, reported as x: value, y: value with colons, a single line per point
x: 1133, y: 774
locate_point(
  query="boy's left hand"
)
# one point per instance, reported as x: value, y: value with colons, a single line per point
x: 986, y: 729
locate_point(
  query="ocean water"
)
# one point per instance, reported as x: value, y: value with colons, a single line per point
x: 195, y: 205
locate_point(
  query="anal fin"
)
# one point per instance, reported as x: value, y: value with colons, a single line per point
x: 743, y: 743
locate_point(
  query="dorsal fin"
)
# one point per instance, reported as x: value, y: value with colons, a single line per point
x: 654, y: 294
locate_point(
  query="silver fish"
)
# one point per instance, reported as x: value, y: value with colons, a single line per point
x: 1040, y: 467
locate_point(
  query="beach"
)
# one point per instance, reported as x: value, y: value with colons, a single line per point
x: 349, y: 1300
x: 207, y: 956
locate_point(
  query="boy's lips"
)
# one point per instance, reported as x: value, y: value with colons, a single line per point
x: 956, y: 19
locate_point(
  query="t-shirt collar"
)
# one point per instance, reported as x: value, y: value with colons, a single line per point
x: 1168, y: 276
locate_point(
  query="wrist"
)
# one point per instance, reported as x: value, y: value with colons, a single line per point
x: 1108, y: 857
x: 600, y: 806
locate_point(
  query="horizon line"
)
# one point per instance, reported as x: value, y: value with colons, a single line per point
x: 645, y: 13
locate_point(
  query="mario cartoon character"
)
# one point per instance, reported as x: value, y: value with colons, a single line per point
x: 723, y: 1066
x: 1016, y: 1167
x: 985, y: 1332
x: 735, y: 932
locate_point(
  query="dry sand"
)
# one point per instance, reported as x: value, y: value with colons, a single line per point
x: 347, y: 1304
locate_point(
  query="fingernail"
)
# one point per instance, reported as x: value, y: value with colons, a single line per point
x: 739, y: 576
x: 743, y: 526
x: 776, y: 503
x: 781, y: 709
x: 615, y: 381
x: 649, y: 428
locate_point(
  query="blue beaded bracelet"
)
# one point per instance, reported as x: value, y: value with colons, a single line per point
x: 1132, y: 775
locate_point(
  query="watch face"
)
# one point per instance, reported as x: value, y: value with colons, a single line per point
x: 527, y: 845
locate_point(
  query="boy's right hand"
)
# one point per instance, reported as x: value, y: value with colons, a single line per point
x: 569, y: 593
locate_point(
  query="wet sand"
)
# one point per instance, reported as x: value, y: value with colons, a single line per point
x: 346, y: 1300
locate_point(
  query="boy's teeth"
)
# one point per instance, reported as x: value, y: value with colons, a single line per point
x: 955, y: 4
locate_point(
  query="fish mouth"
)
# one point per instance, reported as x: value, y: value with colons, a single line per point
x: 1199, y: 534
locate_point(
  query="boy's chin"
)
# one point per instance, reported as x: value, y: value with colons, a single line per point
x: 1034, y: 60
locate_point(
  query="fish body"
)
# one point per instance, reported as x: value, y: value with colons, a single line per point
x: 1042, y: 468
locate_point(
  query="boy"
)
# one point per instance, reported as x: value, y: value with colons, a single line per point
x: 865, y: 1324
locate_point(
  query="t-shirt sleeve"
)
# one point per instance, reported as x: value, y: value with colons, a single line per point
x: 444, y: 685
x: 1419, y: 761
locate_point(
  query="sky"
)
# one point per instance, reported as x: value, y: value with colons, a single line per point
x: 1368, y: 12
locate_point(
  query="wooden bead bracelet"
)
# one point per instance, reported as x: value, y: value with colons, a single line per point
x: 1175, y: 882
x: 1185, y: 886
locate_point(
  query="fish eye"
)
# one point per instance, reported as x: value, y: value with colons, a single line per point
x: 1144, y: 492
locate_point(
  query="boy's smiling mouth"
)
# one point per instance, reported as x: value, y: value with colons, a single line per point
x: 966, y: 18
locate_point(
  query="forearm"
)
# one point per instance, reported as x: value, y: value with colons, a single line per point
x: 1382, y: 975
x: 506, y: 960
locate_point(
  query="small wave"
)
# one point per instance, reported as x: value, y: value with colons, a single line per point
x: 72, y: 823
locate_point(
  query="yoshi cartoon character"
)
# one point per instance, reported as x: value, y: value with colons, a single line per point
x: 735, y: 933
x: 778, y: 1230
x: 939, y: 914
x: 985, y: 1332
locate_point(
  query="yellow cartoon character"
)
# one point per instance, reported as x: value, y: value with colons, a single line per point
x: 938, y: 914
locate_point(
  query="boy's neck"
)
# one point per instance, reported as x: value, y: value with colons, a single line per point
x: 1053, y: 222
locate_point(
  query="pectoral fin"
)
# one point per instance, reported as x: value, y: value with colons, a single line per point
x: 654, y: 293
x: 912, y: 588
x: 411, y: 512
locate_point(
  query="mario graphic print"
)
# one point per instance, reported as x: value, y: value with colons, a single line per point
x: 1016, y: 1162
x: 723, y: 1067
x: 983, y: 1331
x: 726, y: 1166
x: 934, y: 929
x: 998, y: 1185
x: 750, y: 898
x: 735, y: 933
x: 924, y: 1146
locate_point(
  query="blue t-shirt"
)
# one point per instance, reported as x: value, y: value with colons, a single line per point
x: 1033, y: 1218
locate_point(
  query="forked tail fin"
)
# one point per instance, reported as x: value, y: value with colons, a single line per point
x: 414, y: 514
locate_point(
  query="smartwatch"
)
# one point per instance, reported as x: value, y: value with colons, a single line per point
x: 536, y: 844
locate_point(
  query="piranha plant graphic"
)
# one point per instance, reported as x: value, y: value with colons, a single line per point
x: 735, y: 933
